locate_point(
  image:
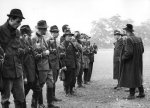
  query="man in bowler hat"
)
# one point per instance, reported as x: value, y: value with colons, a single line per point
x: 131, y: 69
x: 54, y: 56
x: 42, y: 52
x: 12, y: 72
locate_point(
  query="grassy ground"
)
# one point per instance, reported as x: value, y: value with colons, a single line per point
x: 100, y: 92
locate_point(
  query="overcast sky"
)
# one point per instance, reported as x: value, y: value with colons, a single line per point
x: 77, y: 13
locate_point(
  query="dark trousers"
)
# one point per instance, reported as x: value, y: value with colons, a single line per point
x: 90, y: 70
x: 35, y: 87
x: 55, y: 77
x: 16, y: 86
x: 86, y: 71
x: 79, y: 77
x: 132, y: 90
x: 70, y: 79
x: 48, y: 79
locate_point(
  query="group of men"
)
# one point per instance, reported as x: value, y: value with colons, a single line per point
x: 29, y: 60
x: 128, y: 61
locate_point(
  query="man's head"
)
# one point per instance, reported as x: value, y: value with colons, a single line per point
x: 65, y: 28
x: 41, y: 27
x: 15, y: 18
x: 128, y: 29
x: 25, y: 29
x: 68, y: 35
x: 54, y: 31
x: 117, y: 34
x: 77, y: 35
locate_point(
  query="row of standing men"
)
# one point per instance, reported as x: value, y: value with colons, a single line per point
x: 30, y: 60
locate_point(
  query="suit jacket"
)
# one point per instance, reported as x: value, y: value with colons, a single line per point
x: 10, y: 42
x: 54, y: 54
x: 40, y: 46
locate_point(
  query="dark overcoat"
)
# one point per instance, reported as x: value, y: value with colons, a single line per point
x: 116, y: 63
x: 131, y: 70
x: 10, y: 42
x: 70, y: 58
x: 28, y: 60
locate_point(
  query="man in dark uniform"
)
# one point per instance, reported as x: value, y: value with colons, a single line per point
x: 42, y: 54
x: 131, y: 71
x: 54, y: 56
x: 29, y: 68
x: 118, y: 45
x: 69, y: 62
x: 12, y: 67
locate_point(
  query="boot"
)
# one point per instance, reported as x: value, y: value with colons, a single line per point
x: 19, y: 104
x: 24, y: 104
x: 49, y: 96
x: 5, y: 105
x: 54, y: 97
x: 34, y: 100
x: 141, y: 92
x: 40, y: 100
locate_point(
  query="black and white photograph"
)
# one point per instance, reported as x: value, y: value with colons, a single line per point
x: 74, y: 54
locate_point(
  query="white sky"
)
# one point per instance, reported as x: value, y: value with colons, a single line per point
x: 77, y: 13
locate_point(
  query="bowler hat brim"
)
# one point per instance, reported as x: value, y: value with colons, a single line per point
x: 42, y: 27
x: 16, y: 16
x: 128, y: 29
x: 68, y: 34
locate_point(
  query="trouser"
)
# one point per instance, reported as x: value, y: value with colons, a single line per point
x: 132, y: 90
x: 55, y: 77
x: 70, y: 79
x: 85, y: 75
x: 79, y: 77
x: 34, y: 86
x: 48, y: 79
x: 16, y: 86
x: 90, y: 70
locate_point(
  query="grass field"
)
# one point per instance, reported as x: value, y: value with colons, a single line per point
x: 100, y: 92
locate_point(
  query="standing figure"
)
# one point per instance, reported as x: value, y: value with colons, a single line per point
x: 41, y: 51
x: 118, y: 45
x: 12, y: 72
x: 70, y: 62
x: 131, y: 70
x: 93, y: 51
x: 29, y: 66
x: 79, y: 58
x: 86, y: 60
x: 54, y: 56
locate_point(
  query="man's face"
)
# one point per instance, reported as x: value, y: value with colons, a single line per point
x: 68, y: 38
x: 67, y: 28
x: 42, y: 31
x: 55, y: 34
x: 15, y: 23
x: 116, y: 36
